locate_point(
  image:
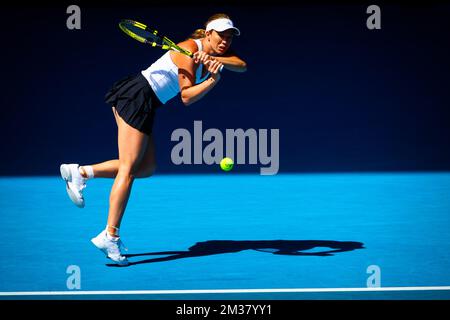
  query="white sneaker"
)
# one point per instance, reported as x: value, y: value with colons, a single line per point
x: 111, y: 247
x: 75, y: 183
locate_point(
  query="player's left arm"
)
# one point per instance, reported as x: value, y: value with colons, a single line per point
x: 232, y: 62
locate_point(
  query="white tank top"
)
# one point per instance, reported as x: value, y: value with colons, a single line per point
x: 162, y: 76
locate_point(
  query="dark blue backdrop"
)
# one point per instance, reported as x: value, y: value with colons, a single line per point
x: 345, y: 98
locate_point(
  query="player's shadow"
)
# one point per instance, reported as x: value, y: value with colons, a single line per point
x: 320, y: 248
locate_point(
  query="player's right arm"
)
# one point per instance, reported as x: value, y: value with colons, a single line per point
x: 187, y: 67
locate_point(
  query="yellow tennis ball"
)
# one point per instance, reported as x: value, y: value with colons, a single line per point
x: 226, y: 164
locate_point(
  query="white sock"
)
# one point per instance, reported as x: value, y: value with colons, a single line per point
x: 89, y: 171
x: 111, y: 237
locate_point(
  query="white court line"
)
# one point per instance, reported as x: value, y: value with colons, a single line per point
x: 151, y: 292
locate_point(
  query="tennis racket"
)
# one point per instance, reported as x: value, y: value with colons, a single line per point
x: 144, y: 34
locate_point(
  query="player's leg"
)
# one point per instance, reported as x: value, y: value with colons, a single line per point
x: 132, y: 146
x: 148, y: 164
x: 109, y: 169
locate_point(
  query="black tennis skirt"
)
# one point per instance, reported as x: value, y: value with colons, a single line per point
x: 135, y: 102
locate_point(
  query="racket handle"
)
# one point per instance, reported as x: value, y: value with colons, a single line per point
x: 221, y: 68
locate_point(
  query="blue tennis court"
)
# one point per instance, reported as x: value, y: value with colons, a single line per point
x: 348, y: 103
x: 233, y: 236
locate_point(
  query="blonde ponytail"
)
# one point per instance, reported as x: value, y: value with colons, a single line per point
x: 198, y: 34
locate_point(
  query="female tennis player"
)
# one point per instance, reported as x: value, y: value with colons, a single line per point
x: 134, y: 100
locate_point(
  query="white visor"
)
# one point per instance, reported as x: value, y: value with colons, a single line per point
x: 222, y: 24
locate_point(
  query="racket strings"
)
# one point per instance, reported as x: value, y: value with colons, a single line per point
x: 144, y: 34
